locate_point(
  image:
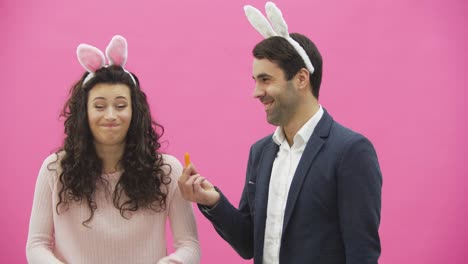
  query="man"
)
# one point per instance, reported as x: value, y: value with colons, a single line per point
x: 312, y: 191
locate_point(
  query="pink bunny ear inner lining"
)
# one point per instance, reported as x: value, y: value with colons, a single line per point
x: 117, y: 51
x: 90, y: 57
x: 93, y: 59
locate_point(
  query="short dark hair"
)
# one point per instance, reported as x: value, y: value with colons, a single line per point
x: 280, y: 51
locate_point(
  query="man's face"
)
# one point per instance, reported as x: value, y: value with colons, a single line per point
x: 279, y: 96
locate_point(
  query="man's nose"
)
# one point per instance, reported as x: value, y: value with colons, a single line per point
x: 258, y: 91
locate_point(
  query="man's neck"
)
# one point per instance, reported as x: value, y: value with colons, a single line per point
x: 303, y: 115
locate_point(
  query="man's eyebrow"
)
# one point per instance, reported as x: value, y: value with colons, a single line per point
x: 261, y: 75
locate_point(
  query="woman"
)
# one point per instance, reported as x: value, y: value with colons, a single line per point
x: 104, y: 197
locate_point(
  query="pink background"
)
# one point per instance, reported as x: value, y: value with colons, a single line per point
x: 395, y: 70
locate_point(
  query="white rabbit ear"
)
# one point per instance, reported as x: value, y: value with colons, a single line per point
x: 91, y: 58
x: 278, y: 27
x: 117, y: 51
x: 259, y: 21
x: 276, y: 18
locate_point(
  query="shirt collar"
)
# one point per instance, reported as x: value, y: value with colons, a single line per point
x: 304, y: 133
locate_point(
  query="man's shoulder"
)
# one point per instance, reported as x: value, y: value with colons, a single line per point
x: 342, y: 130
x: 257, y: 148
x: 262, y: 143
x: 345, y: 136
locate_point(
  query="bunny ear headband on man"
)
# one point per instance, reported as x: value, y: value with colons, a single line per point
x: 92, y: 59
x: 278, y: 28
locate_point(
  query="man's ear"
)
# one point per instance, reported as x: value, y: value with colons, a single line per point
x: 303, y: 79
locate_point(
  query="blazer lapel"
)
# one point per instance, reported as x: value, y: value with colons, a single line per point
x: 311, y: 150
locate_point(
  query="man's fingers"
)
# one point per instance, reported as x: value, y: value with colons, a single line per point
x: 197, y: 188
x: 193, y: 170
x: 185, y: 174
x: 192, y: 179
x: 186, y: 188
x: 206, y: 185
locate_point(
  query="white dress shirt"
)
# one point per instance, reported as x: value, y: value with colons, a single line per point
x: 284, y: 167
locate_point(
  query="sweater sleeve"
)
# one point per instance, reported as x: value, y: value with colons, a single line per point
x: 182, y: 220
x: 40, y: 241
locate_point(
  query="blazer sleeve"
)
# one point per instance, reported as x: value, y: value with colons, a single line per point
x: 359, y: 201
x: 234, y: 225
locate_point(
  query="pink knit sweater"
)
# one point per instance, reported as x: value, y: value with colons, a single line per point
x: 110, y: 238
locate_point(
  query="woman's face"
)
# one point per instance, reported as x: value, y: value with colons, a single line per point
x: 109, y: 113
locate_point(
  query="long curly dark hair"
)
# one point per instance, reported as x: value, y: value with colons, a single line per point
x: 143, y: 182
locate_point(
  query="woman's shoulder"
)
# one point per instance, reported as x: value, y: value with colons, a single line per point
x: 173, y: 170
x: 51, y: 169
x: 53, y: 160
x: 174, y: 164
x: 169, y: 159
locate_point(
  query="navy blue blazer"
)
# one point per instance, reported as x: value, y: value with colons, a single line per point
x: 333, y: 209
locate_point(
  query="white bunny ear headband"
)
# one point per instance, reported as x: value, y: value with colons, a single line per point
x: 278, y: 27
x: 92, y: 59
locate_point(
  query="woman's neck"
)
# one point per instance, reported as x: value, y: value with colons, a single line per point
x: 110, y: 156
